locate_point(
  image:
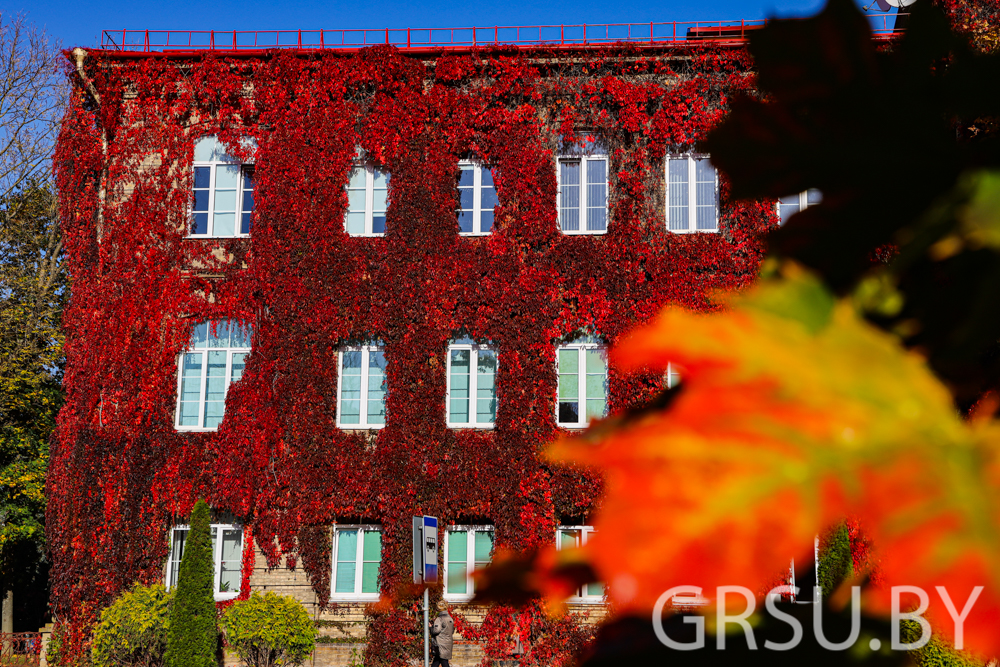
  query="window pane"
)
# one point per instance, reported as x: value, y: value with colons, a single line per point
x: 176, y: 553
x: 207, y: 149
x: 787, y: 207
x: 489, y: 198
x: 347, y: 554
x: 247, y: 204
x: 229, y: 567
x: 199, y: 223
x: 219, y: 334
x: 241, y: 334
x: 569, y: 195
x: 248, y: 172
x: 245, y: 223
x: 224, y: 224
x: 466, y: 176
x: 483, y: 547
x: 569, y: 368
x: 458, y: 554
x: 356, y: 223
x: 569, y: 412
x: 486, y: 221
x: 378, y: 224
x: 372, y: 556
x: 202, y: 178
x: 595, y: 588
x: 569, y: 539
x: 597, y: 195
x: 706, y: 213
x: 465, y: 222
x: 376, y: 387
x: 677, y: 193
x: 457, y: 574
x: 486, y: 396
x: 357, y: 180
x: 350, y: 388
x: 487, y: 177
x: 200, y: 200
x: 215, y: 388
x: 813, y: 196
x: 191, y: 374
x: 239, y: 363
x: 199, y: 336
x: 465, y: 198
x: 460, y: 369
x: 227, y: 177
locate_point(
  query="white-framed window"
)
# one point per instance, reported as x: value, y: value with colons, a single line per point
x: 227, y: 557
x: 367, y: 198
x: 574, y: 537
x: 792, y: 204
x: 582, y: 176
x: 583, y: 382
x: 692, y: 194
x: 357, y: 555
x: 213, y: 361
x: 477, y: 197
x: 467, y: 548
x: 222, y: 205
x: 361, y: 387
x: 472, y: 389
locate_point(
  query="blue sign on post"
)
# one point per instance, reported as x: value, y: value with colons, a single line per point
x: 425, y: 549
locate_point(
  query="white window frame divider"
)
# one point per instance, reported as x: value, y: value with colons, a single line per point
x: 692, y: 208
x: 581, y: 380
x: 470, y: 559
x: 357, y: 596
x: 585, y: 533
x: 216, y: 557
x: 473, y: 384
x: 803, y: 203
x: 366, y: 349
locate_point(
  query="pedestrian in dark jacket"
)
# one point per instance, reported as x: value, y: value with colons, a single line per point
x: 443, y: 633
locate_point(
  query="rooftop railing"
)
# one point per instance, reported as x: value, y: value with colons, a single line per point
x: 654, y: 34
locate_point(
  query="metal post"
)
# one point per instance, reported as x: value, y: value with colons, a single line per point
x: 427, y: 631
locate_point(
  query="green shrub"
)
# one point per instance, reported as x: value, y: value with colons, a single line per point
x: 193, y: 632
x: 268, y: 630
x: 132, y: 631
x: 937, y: 652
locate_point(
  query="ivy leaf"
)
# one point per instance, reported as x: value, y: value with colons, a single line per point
x: 783, y: 425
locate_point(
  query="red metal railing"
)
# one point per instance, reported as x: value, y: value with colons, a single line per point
x: 145, y: 41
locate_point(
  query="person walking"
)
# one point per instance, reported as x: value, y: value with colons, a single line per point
x: 443, y: 633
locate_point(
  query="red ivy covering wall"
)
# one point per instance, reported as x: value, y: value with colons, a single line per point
x: 119, y: 471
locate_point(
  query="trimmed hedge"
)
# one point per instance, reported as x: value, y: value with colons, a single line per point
x: 268, y: 630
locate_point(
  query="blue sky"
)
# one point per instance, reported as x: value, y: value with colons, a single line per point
x: 80, y: 22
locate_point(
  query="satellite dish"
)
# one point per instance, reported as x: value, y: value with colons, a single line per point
x: 884, y: 5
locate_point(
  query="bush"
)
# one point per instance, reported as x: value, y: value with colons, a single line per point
x: 268, y: 630
x: 193, y: 632
x: 132, y: 631
x: 835, y: 561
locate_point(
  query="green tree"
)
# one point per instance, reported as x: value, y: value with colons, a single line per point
x: 32, y: 295
x: 193, y: 632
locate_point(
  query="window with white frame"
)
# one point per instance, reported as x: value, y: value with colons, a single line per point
x: 357, y: 556
x: 472, y: 389
x: 582, y: 175
x: 361, y: 387
x: 692, y: 194
x: 583, y: 382
x: 213, y: 361
x: 367, y: 197
x: 792, y: 204
x: 574, y: 537
x: 477, y: 196
x: 223, y: 191
x: 672, y: 376
x: 467, y: 548
x: 227, y: 558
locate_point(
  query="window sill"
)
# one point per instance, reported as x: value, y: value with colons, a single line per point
x: 360, y: 427
x: 206, y: 237
x: 343, y: 597
x: 475, y: 234
x: 457, y: 597
x: 471, y: 427
x: 588, y: 600
x: 223, y: 597
x: 366, y: 236
x: 195, y: 429
x: 584, y: 233
x: 693, y: 231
